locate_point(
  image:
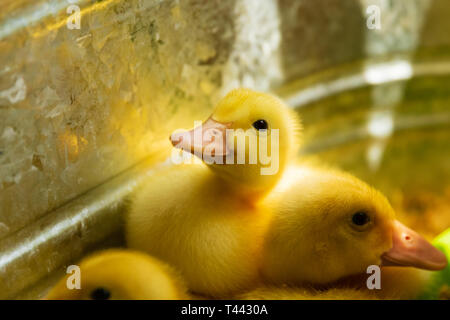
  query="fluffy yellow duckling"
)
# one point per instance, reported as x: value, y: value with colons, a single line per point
x: 327, y: 225
x: 122, y: 275
x: 203, y: 219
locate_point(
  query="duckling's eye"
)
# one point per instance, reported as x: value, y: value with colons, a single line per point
x: 360, y: 219
x: 100, y: 294
x: 260, y: 124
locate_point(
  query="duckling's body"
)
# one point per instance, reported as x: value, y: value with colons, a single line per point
x: 211, y: 234
x: 119, y: 274
x: 205, y: 218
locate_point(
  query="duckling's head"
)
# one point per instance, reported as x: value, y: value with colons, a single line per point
x: 121, y: 275
x: 330, y: 225
x: 247, y: 140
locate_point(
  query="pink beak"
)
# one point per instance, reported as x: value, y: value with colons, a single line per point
x: 206, y: 140
x: 411, y: 249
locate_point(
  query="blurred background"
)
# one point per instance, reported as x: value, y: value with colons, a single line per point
x: 90, y: 90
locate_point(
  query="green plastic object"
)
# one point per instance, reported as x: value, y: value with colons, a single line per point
x: 439, y: 285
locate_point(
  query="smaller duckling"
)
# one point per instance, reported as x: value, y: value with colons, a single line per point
x: 327, y: 225
x: 119, y: 274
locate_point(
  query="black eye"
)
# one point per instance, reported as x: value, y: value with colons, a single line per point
x: 260, y: 125
x: 360, y: 219
x: 100, y: 294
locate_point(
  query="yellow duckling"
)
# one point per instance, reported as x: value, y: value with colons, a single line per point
x: 327, y: 225
x: 120, y: 274
x: 203, y: 219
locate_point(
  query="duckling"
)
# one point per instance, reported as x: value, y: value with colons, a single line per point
x: 120, y: 274
x: 203, y: 218
x: 396, y: 283
x: 327, y: 225
x: 323, y: 241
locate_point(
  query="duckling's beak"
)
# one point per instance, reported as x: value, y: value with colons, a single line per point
x: 205, y: 141
x: 411, y: 249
